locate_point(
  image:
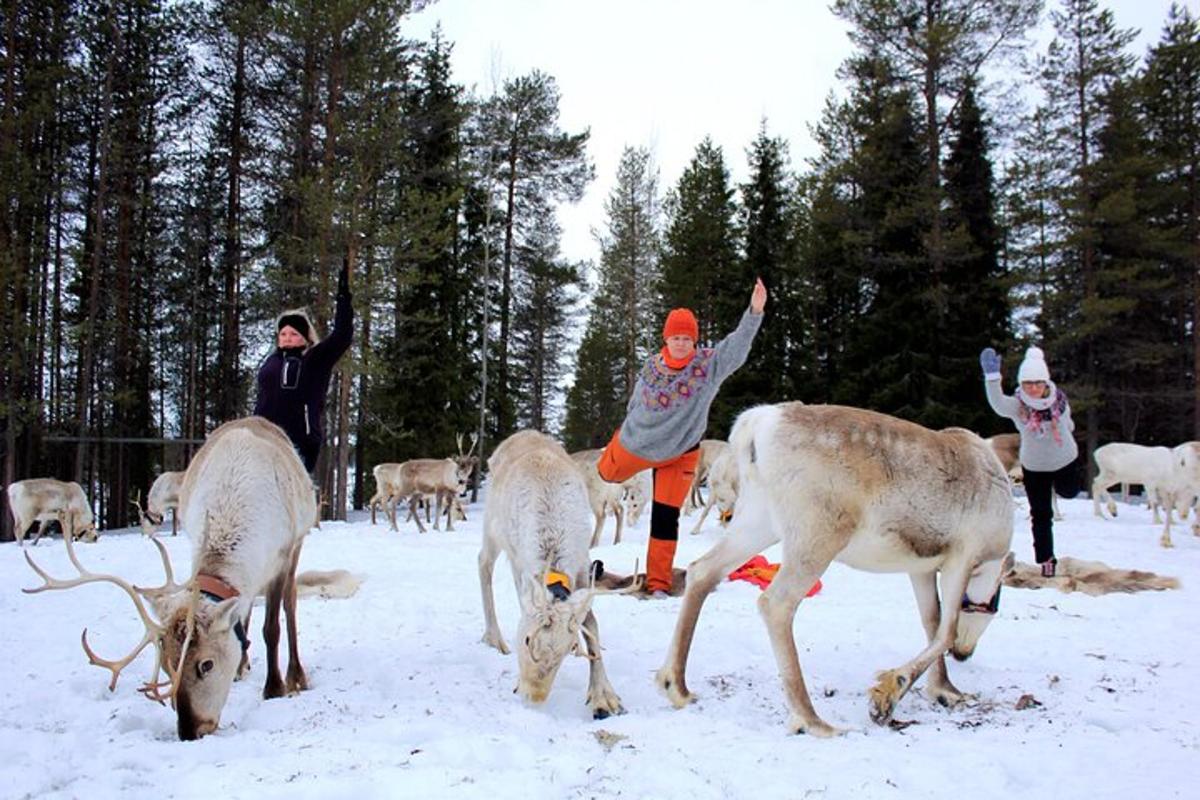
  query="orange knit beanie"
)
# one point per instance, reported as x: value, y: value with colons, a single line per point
x: 681, y: 322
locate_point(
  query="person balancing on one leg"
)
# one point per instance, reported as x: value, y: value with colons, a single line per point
x: 1048, y: 450
x: 666, y: 418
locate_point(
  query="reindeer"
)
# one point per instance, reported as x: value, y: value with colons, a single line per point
x: 878, y: 494
x: 442, y: 478
x: 164, y: 494
x: 536, y: 515
x: 710, y: 451
x: 248, y: 504
x: 722, y: 489
x: 45, y: 500
x: 604, y: 498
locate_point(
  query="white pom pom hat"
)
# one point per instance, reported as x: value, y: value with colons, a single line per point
x: 1034, y: 368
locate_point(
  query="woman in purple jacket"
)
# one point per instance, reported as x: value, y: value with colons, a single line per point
x: 294, y: 380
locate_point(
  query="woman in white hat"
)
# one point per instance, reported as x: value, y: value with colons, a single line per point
x: 1048, y: 451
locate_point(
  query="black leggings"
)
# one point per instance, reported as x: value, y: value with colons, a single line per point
x: 1038, y: 488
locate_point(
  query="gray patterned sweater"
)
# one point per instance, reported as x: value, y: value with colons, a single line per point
x: 667, y: 414
x: 1040, y: 450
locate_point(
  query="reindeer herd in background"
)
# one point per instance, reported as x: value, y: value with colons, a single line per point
x: 827, y: 482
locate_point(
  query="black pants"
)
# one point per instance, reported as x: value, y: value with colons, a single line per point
x: 1038, y: 488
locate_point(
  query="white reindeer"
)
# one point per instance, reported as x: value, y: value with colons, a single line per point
x: 878, y: 494
x: 536, y: 515
x: 710, y: 451
x: 248, y: 503
x: 604, y: 498
x: 722, y: 489
x: 164, y: 495
x: 45, y: 500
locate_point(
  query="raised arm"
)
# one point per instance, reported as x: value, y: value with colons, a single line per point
x: 331, y: 348
x: 733, y: 350
x: 1003, y: 404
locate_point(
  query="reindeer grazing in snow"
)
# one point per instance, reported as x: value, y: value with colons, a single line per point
x: 722, y: 489
x: 248, y: 503
x: 164, y: 495
x: 45, y: 500
x: 625, y: 501
x: 536, y: 515
x: 710, y: 451
x: 878, y: 494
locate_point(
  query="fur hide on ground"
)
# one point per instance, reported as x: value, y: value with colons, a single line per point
x: 334, y: 583
x: 1089, y: 577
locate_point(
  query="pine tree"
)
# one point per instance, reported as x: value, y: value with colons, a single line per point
x: 979, y: 311
x: 630, y: 248
x: 546, y: 295
x: 534, y: 162
x: 1170, y: 91
x: 890, y: 356
x: 1085, y: 59
x: 770, y: 370
x: 1133, y: 312
x: 700, y: 242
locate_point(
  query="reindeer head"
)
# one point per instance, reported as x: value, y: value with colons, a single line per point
x: 199, y: 637
x: 635, y: 499
x: 194, y: 638
x: 549, y: 631
x: 979, y: 605
x: 79, y: 525
x: 149, y: 518
x: 465, y: 462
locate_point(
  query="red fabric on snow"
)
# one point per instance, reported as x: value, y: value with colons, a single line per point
x: 760, y: 572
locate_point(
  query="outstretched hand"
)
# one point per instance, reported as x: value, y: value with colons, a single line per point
x: 989, y: 359
x: 758, y: 297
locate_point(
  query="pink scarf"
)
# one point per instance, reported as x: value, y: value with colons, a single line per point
x: 1036, y: 412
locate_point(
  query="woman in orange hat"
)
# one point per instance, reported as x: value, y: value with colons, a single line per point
x: 666, y: 418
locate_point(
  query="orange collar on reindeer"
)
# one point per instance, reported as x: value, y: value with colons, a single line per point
x: 558, y: 584
x: 215, y: 587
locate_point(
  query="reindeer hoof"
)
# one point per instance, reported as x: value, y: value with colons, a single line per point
x: 884, y: 695
x: 297, y: 682
x: 494, y: 639
x: 947, y: 696
x: 273, y: 689
x: 606, y: 706
x: 813, y: 727
x: 673, y: 687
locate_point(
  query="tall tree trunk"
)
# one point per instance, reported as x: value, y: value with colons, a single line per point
x: 503, y: 404
x: 87, y: 358
x: 231, y: 261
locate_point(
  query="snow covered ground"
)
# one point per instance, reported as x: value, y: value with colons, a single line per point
x: 406, y: 702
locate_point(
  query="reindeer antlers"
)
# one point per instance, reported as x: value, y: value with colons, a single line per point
x: 458, y: 437
x: 154, y: 630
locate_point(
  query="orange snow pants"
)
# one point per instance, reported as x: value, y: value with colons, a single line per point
x: 672, y: 481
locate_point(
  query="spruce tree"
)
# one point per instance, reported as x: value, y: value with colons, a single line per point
x: 1170, y: 104
x: 1085, y: 59
x: 978, y: 312
x: 700, y: 242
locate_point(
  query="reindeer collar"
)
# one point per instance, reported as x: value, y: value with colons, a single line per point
x: 219, y: 591
x: 559, y: 585
x: 215, y: 588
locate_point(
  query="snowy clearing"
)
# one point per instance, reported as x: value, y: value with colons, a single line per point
x: 406, y: 701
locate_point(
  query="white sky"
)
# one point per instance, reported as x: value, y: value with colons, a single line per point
x: 666, y: 73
